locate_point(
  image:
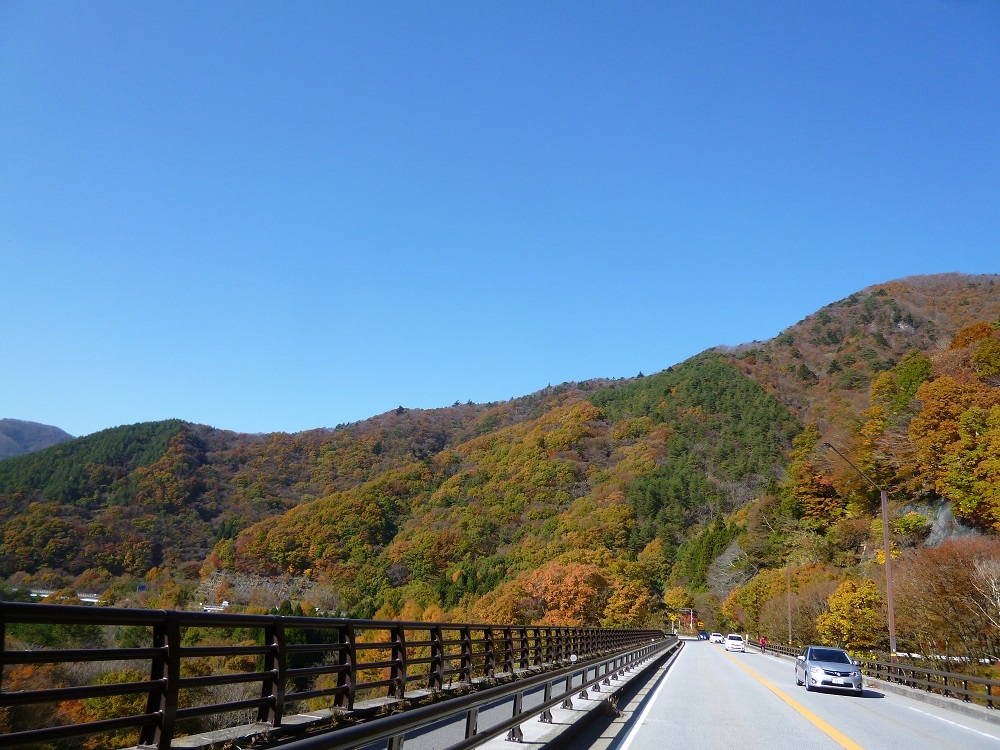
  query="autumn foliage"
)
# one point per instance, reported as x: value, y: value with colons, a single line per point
x: 586, y: 503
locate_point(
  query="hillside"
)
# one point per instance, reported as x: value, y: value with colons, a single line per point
x: 823, y: 366
x: 612, y: 501
x: 18, y: 437
x: 597, y: 480
x: 127, y: 499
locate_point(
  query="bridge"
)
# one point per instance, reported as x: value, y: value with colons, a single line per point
x: 162, y: 679
x: 85, y: 598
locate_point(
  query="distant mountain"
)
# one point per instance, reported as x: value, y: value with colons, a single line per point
x: 18, y: 437
x: 138, y: 496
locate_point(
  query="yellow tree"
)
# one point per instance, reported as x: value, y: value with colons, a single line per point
x: 856, y: 619
x: 676, y: 599
x: 936, y: 429
x: 569, y: 594
x: 971, y: 475
x: 629, y: 606
x: 744, y: 604
x: 104, y: 708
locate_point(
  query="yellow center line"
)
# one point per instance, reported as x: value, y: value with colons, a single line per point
x: 838, y: 737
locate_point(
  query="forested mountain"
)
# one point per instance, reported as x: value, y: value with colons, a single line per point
x: 614, y: 501
x: 822, y: 366
x: 599, y: 480
x: 18, y: 437
x: 127, y: 499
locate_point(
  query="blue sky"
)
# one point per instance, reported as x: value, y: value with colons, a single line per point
x: 280, y: 216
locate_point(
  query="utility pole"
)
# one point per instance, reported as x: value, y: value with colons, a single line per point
x: 788, y: 589
x: 690, y: 612
x: 888, y: 551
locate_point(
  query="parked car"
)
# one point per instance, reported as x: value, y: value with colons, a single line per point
x: 715, y: 638
x: 734, y: 642
x: 825, y: 667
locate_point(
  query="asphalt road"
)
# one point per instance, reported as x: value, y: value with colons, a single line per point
x: 711, y: 699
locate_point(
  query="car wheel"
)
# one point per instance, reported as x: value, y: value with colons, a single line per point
x: 808, y: 686
x: 797, y: 680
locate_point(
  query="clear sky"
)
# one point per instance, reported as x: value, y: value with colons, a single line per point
x: 280, y: 216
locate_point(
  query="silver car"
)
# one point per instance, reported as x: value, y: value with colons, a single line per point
x: 826, y: 667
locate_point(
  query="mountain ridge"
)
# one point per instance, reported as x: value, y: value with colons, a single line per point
x: 19, y: 437
x: 484, y: 510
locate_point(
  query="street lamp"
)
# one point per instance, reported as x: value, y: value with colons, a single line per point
x: 690, y: 612
x: 886, y: 547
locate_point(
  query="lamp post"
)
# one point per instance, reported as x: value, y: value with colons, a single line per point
x: 885, y: 546
x: 690, y: 612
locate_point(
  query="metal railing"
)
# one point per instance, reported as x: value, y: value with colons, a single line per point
x: 967, y: 688
x: 560, y: 687
x: 964, y: 687
x: 180, y: 670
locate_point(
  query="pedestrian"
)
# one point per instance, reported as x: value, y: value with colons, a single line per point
x: 763, y: 645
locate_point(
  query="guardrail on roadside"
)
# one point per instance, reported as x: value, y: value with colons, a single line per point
x: 184, y: 669
x: 967, y: 688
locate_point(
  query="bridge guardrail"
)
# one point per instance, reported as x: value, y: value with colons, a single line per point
x: 198, y: 666
x: 394, y: 728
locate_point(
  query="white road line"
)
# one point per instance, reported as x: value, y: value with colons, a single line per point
x: 954, y: 723
x: 645, y: 712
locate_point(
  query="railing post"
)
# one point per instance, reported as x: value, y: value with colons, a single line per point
x: 165, y: 669
x: 515, y: 734
x: 489, y: 655
x: 508, y: 651
x: 465, y: 668
x: 274, y: 668
x: 348, y: 677
x: 568, y: 701
x: 150, y: 735
x: 3, y: 640
x: 471, y: 722
x: 546, y: 716
x: 435, y: 680
x: 525, y: 655
x: 398, y: 672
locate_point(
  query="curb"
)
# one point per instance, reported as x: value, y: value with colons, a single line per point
x: 951, y: 704
x: 568, y: 724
